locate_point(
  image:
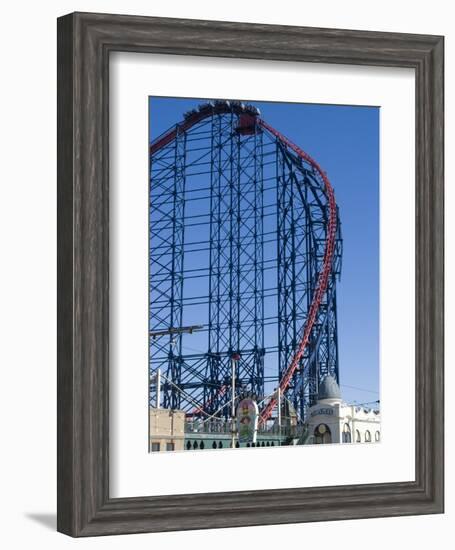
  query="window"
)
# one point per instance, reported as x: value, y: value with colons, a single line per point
x: 170, y: 447
x: 346, y: 438
x: 377, y: 436
x: 155, y: 446
x: 367, y: 437
x: 357, y: 436
x: 322, y: 434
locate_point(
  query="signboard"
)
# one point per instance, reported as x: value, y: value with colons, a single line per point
x: 318, y: 412
x: 247, y: 420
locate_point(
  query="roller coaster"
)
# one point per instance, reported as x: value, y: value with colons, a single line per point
x: 245, y: 244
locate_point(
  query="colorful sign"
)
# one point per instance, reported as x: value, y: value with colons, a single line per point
x: 247, y: 420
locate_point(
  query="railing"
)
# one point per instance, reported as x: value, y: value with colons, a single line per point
x: 225, y: 427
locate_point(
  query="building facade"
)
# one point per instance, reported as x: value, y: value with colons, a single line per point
x: 331, y: 420
x: 167, y: 430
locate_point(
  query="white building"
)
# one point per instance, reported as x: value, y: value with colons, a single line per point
x: 331, y: 420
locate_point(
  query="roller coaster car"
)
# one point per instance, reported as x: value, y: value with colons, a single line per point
x: 247, y: 125
x: 189, y: 114
x: 205, y: 107
x: 251, y: 110
x: 237, y: 105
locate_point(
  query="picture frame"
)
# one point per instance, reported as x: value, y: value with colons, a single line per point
x: 85, y: 507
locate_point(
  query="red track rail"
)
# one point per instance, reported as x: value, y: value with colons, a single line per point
x: 323, y: 277
x: 169, y: 136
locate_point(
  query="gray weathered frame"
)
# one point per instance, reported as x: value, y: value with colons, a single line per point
x: 84, y: 43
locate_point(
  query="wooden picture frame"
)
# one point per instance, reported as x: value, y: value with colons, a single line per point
x: 84, y: 44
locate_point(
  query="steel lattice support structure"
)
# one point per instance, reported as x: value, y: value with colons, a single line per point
x: 167, y: 233
x: 302, y: 220
x: 236, y: 282
x: 244, y: 235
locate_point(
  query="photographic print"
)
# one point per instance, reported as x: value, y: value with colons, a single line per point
x: 263, y: 274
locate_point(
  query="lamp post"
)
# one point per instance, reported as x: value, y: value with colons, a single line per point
x: 279, y: 414
x: 175, y: 330
x: 154, y: 334
x: 234, y: 359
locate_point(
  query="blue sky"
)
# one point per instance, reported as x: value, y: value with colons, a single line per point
x: 344, y: 140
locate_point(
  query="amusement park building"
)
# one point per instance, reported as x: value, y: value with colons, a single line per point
x: 330, y: 420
